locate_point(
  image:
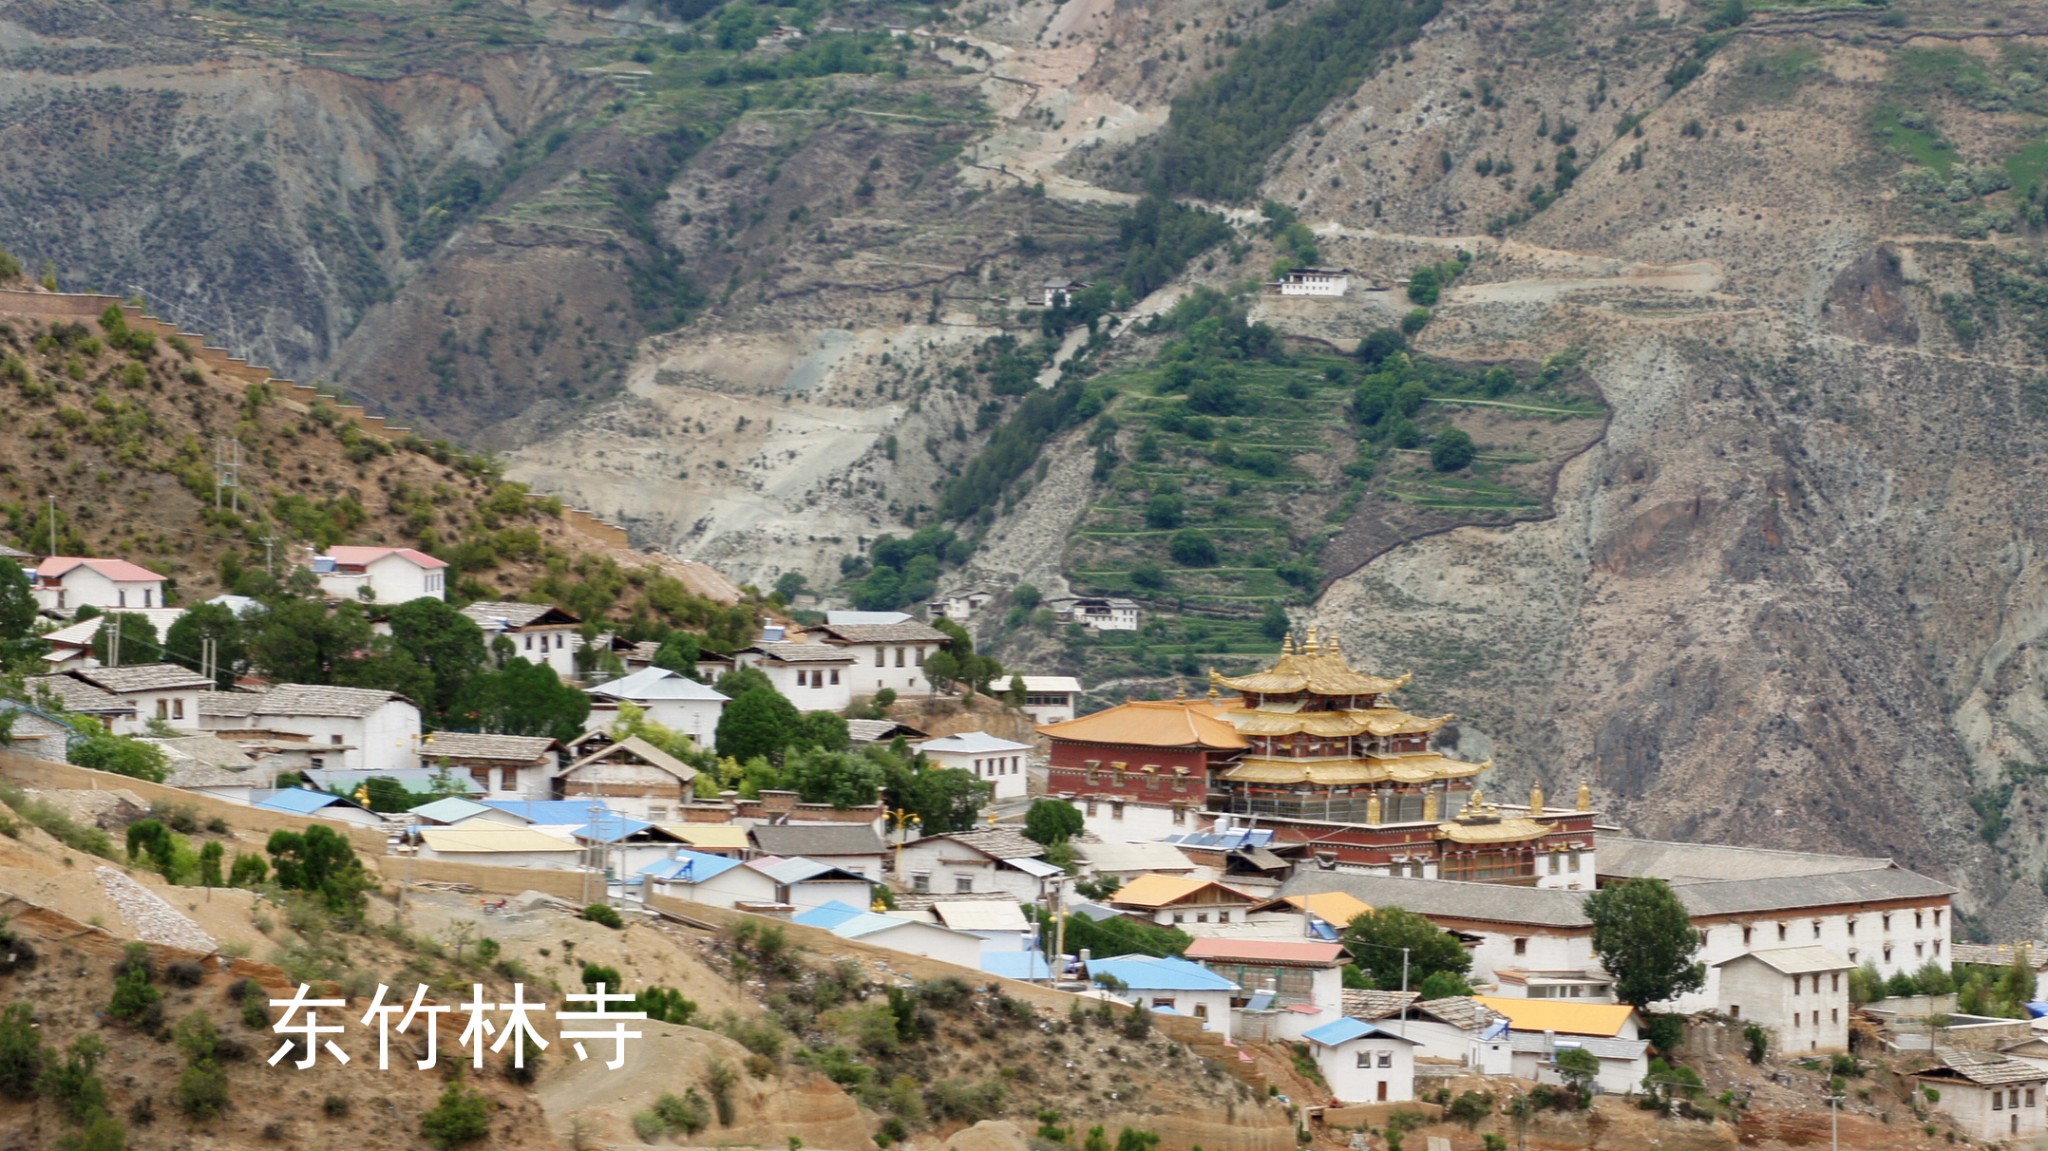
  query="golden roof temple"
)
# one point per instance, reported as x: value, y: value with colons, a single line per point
x: 1323, y: 743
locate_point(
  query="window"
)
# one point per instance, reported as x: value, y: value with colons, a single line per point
x: 835, y: 677
x: 803, y: 678
x: 1919, y: 919
x: 121, y: 594
x: 1201, y: 917
x: 149, y: 597
x: 1223, y: 917
x: 481, y: 776
x: 920, y: 881
x: 1797, y: 983
x: 2030, y: 1096
x: 508, y: 779
x: 1887, y: 953
x: 335, y: 740
x: 1165, y: 1001
x: 1179, y: 917
x: 1834, y: 1015
x: 1816, y: 1019
x: 177, y: 709
x: 163, y: 709
x: 1835, y: 981
x: 1886, y: 921
x: 1782, y: 928
x: 1746, y: 934
x: 1998, y: 1100
x: 1365, y: 1059
x: 1386, y: 1059
x: 1937, y: 917
x: 1816, y: 929
x: 1919, y: 950
x: 1852, y: 925
x: 881, y: 658
x: 1201, y: 1011
x: 899, y: 657
x: 1521, y: 946
x: 963, y: 884
x: 918, y: 655
x: 528, y: 642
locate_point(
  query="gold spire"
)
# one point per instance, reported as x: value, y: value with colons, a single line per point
x: 1332, y: 647
x: 1212, y: 689
x: 1429, y: 807
x: 1287, y: 644
x: 1536, y: 798
x: 1311, y: 647
x: 1180, y: 691
x: 1372, y: 808
x: 1585, y: 796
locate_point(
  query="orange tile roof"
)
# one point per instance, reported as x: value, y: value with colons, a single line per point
x: 1284, y: 951
x: 1158, y: 890
x: 1563, y: 1016
x: 1153, y: 723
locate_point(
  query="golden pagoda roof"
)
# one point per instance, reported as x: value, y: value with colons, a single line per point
x: 1379, y: 721
x: 1346, y: 772
x: 1315, y: 668
x: 1153, y: 723
x: 1513, y: 830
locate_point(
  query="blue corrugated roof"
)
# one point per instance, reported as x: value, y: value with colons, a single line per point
x: 1347, y: 1029
x: 301, y: 801
x: 689, y: 867
x: 847, y: 922
x: 611, y: 828
x: 827, y: 916
x: 553, y: 812
x: 1025, y: 965
x: 1150, y: 973
x: 1226, y: 841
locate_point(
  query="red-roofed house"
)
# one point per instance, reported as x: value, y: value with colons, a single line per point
x: 381, y: 575
x: 1290, y: 987
x: 63, y: 584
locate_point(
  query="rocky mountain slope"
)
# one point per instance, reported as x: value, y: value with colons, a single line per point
x: 745, y: 302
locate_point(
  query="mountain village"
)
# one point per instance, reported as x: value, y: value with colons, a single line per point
x: 1250, y: 830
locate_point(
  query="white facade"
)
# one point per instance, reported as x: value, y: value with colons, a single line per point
x: 1375, y: 1068
x: 174, y: 707
x: 960, y: 606
x: 929, y: 940
x: 1102, y: 614
x: 380, y: 574
x: 1895, y: 938
x: 818, y: 680
x: 1800, y: 995
x: 1999, y: 1112
x: 1000, y: 763
x: 63, y: 584
x: 1051, y: 698
x: 1128, y: 821
x: 555, y: 647
x: 727, y: 889
x: 385, y: 737
x: 813, y: 893
x: 1326, y: 282
x: 939, y: 865
x: 1623, y: 1062
x: 672, y: 700
x: 896, y: 666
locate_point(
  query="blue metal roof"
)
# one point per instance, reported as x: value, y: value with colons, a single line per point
x: 1024, y: 965
x: 452, y: 809
x: 689, y: 867
x: 847, y: 922
x: 827, y: 916
x: 553, y: 812
x: 1226, y: 841
x: 301, y: 801
x: 1149, y: 973
x: 1347, y: 1029
x: 611, y: 828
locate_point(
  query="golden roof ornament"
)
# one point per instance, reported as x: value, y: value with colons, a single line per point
x: 1333, y: 648
x: 1585, y: 796
x: 1430, y: 809
x: 1287, y: 644
x: 1180, y: 691
x: 1311, y: 647
x: 1536, y: 798
x: 1372, y: 808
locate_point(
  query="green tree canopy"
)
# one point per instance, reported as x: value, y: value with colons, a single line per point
x: 301, y: 641
x: 758, y: 722
x: 102, y: 750
x: 1377, y: 938
x: 942, y: 798
x: 321, y: 862
x: 443, y: 642
x: 1645, y: 939
x: 17, y: 615
x: 139, y: 641
x: 185, y: 642
x: 679, y: 653
x: 824, y: 730
x: 1452, y: 449
x: 524, y: 698
x: 834, y: 777
x: 1051, y: 821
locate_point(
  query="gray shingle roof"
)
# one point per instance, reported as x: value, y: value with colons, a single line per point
x: 1460, y: 1011
x: 633, y: 747
x: 1370, y: 1005
x: 142, y: 677
x: 802, y: 653
x: 1450, y: 899
x: 1677, y: 863
x: 2000, y: 954
x: 312, y: 699
x: 813, y: 840
x: 910, y: 631
x: 205, y: 749
x: 501, y: 748
x: 493, y: 614
x: 1735, y: 897
x: 997, y: 843
x: 1985, y: 1068
x: 1541, y: 1044
x: 877, y: 730
x: 230, y: 704
x: 77, y: 695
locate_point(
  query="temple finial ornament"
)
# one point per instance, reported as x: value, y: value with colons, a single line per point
x: 1180, y: 691
x: 1536, y: 798
x: 1287, y: 644
x: 1585, y: 796
x: 1333, y: 648
x: 1372, y: 809
x: 1430, y: 810
x: 1311, y: 647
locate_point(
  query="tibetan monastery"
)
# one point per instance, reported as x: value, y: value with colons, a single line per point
x: 1313, y: 750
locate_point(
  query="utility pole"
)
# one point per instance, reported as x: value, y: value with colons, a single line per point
x: 227, y: 464
x: 269, y: 568
x: 114, y: 642
x: 53, y: 525
x: 1835, y: 1121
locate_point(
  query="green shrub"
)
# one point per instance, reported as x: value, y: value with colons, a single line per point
x: 21, y: 1052
x: 684, y: 1113
x: 73, y: 1082
x: 202, y: 1091
x: 605, y: 914
x: 462, y: 1116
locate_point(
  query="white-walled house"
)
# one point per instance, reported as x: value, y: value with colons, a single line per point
x: 1181, y: 901
x: 910, y: 936
x: 1800, y: 995
x: 888, y: 655
x: 1051, y: 698
x: 160, y: 692
x: 631, y: 776
x: 1362, y: 1063
x: 63, y: 584
x: 813, y: 676
x: 503, y: 766
x: 1539, y: 1029
x: 807, y: 883
x: 1167, y: 985
x: 2002, y: 955
x: 499, y: 845
x: 1326, y: 282
x: 976, y: 862
x: 1990, y: 1097
x: 380, y: 574
x: 350, y: 728
x: 1290, y: 987
x: 1000, y: 763
x: 670, y: 699
x: 1103, y: 613
x: 539, y: 633
x: 852, y: 846
x: 959, y: 606
x: 713, y: 880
